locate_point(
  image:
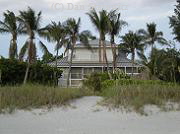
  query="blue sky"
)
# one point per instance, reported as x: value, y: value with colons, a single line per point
x: 136, y: 12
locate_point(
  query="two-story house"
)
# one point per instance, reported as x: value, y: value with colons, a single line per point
x: 86, y: 61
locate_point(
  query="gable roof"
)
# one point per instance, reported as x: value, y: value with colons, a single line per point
x: 121, y: 62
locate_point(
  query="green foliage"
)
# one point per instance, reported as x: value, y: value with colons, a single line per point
x: 13, y: 72
x: 94, y: 81
x: 46, y: 58
x: 166, y: 64
x: 135, y: 97
x: 126, y: 82
x: 119, y: 74
x: 35, y: 96
x: 10, y: 25
x: 97, y: 81
x: 174, y: 21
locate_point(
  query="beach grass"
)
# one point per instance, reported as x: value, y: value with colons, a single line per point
x: 136, y: 97
x: 133, y: 97
x: 36, y: 96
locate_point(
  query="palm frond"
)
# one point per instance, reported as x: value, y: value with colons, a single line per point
x: 44, y: 48
x: 3, y: 30
x: 143, y: 58
x: 94, y: 18
x: 23, y: 51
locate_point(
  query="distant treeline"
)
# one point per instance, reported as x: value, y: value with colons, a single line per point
x: 12, y: 72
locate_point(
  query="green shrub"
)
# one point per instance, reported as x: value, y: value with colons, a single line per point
x: 119, y: 74
x: 13, y: 71
x: 110, y: 83
x: 94, y: 81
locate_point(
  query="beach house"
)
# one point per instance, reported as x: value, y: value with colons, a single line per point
x: 85, y: 61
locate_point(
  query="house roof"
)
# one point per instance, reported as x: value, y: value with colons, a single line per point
x: 121, y: 62
x: 93, y: 43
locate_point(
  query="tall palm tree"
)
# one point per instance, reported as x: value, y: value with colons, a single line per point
x: 73, y: 27
x: 134, y: 43
x: 116, y: 25
x: 101, y: 23
x: 175, y: 21
x: 151, y: 36
x: 10, y: 25
x: 55, y: 32
x: 31, y: 24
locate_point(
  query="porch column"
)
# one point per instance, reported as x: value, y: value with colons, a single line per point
x: 137, y: 69
x: 70, y: 80
x: 125, y: 70
x: 82, y: 71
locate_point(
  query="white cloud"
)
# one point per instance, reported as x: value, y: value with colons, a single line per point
x: 136, y: 12
x: 150, y: 17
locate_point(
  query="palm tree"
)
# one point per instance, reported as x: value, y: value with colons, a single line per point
x: 151, y: 36
x: 116, y: 25
x: 133, y: 43
x: 175, y: 21
x: 101, y: 23
x: 55, y: 32
x: 72, y: 27
x: 31, y: 24
x: 10, y: 25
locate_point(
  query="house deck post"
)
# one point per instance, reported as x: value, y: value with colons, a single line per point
x: 125, y: 70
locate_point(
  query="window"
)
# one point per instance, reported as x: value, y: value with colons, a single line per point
x: 76, y: 82
x: 76, y: 73
x: 76, y: 76
x: 98, y: 70
x: 87, y: 72
x: 76, y: 70
x: 129, y: 70
x: 123, y: 69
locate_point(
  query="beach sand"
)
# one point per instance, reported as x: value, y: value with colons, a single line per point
x: 84, y: 116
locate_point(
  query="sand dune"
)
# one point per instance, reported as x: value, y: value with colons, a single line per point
x: 84, y: 116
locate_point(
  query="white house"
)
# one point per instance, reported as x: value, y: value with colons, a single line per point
x: 86, y: 61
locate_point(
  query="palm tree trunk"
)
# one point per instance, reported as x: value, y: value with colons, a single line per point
x: 113, y: 53
x: 174, y: 73
x: 55, y: 71
x: 154, y: 62
x: 13, y: 48
x: 28, y: 60
x: 0, y: 77
x: 100, y: 58
x: 27, y: 71
x: 133, y: 56
x: 70, y: 64
x: 105, y: 58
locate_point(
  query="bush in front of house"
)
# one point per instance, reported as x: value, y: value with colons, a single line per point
x: 13, y: 71
x: 110, y: 83
x: 120, y: 74
x: 95, y: 81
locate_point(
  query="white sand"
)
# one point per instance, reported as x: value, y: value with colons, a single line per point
x: 85, y: 117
